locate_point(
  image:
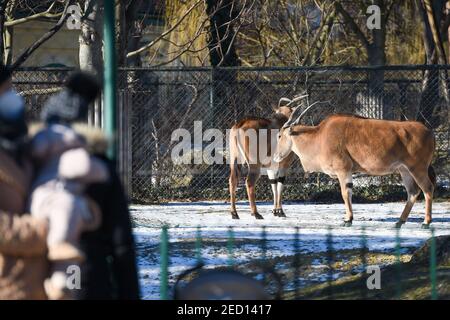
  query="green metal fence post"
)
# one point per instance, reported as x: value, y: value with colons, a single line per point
x: 230, y: 246
x: 330, y: 258
x: 164, y: 281
x: 434, y: 293
x: 264, y: 250
x: 198, y: 245
x: 363, y: 263
x: 398, y: 264
x: 297, y: 262
x: 109, y: 92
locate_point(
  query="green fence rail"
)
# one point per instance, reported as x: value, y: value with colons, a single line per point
x: 331, y: 259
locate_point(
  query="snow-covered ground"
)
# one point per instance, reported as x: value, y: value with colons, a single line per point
x: 314, y: 221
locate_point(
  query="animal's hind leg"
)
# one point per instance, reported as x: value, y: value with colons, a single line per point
x: 233, y: 181
x: 345, y: 181
x: 424, y: 182
x: 252, y: 178
x: 413, y: 191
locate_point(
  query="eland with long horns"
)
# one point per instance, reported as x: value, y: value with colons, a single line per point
x: 345, y: 144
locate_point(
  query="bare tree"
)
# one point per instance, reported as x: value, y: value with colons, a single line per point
x: 8, y: 9
x: 294, y: 32
x: 91, y: 36
x: 374, y: 43
x: 432, y: 18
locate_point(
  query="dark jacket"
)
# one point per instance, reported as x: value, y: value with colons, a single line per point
x: 110, y: 270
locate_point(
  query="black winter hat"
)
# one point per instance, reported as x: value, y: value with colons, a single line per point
x: 84, y: 84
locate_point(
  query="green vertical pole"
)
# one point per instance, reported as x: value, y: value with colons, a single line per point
x: 198, y: 245
x: 398, y: 264
x: 297, y: 262
x: 364, y: 263
x: 164, y: 281
x: 109, y: 90
x: 434, y: 294
x: 264, y: 252
x: 330, y: 258
x: 230, y: 245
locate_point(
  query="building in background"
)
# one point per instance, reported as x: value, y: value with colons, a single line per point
x: 62, y: 50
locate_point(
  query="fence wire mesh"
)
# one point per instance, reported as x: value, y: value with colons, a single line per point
x: 155, y: 102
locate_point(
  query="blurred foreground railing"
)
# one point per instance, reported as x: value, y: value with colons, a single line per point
x: 331, y: 255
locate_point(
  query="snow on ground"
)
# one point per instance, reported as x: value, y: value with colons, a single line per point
x: 314, y: 221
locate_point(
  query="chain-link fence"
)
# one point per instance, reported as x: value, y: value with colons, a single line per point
x: 36, y: 85
x: 155, y: 102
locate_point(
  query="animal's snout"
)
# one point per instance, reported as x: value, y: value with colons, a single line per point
x: 277, y: 157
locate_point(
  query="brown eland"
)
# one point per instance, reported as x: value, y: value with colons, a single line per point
x: 342, y: 145
x: 252, y: 142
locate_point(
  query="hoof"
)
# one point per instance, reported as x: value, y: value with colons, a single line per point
x: 275, y: 212
x: 426, y: 226
x: 258, y: 216
x: 399, y: 224
x: 234, y: 215
x: 281, y: 213
x: 346, y: 224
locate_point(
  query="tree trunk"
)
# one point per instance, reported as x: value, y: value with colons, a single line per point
x: 430, y: 83
x: 91, y: 53
x: 222, y: 52
x: 377, y: 106
x: 130, y: 97
x: 3, y: 5
x: 7, y: 43
x: 377, y: 57
x: 130, y: 32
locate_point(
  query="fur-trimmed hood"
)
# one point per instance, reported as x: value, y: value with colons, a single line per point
x: 97, y: 142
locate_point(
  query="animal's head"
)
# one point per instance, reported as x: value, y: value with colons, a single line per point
x: 284, y: 141
x: 286, y: 105
x: 284, y: 111
x: 285, y: 108
x: 284, y: 145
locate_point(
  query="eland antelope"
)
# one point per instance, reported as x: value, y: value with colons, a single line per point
x: 252, y: 142
x: 345, y: 144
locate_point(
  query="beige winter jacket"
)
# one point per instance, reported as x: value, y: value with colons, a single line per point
x: 23, y: 263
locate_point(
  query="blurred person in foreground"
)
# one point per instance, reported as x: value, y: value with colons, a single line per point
x: 64, y: 169
x: 110, y: 270
x: 23, y: 264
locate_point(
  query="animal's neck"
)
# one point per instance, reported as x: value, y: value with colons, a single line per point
x: 304, y: 139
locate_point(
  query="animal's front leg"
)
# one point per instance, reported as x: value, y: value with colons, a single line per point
x: 345, y: 181
x: 280, y: 185
x: 272, y: 175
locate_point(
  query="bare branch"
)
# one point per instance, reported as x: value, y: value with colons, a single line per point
x: 162, y: 35
x: 29, y: 51
x: 46, y: 14
x: 352, y: 24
